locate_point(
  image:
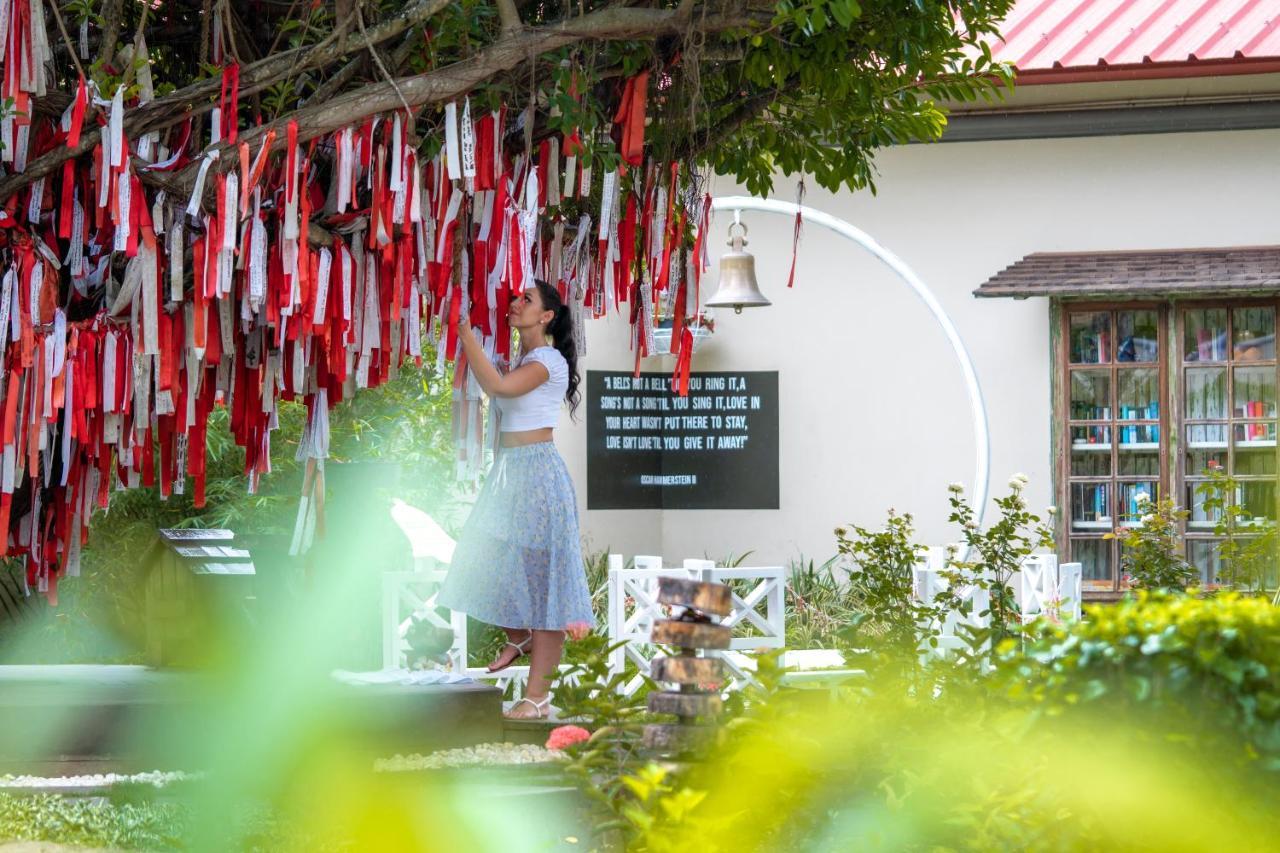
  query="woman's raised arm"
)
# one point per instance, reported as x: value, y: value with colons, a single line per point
x: 520, y: 381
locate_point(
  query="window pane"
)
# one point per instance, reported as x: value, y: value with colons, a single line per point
x: 1261, y: 435
x: 1201, y: 517
x: 1094, y: 555
x: 1132, y: 509
x: 1206, y: 448
x: 1204, y: 555
x: 1207, y: 436
x: 1090, y: 395
x: 1258, y: 500
x: 1206, y: 393
x: 1254, y: 566
x: 1139, y: 436
x: 1138, y: 336
x: 1091, y: 337
x: 1091, y: 506
x: 1139, y: 463
x: 1090, y: 451
x: 1205, y: 336
x: 1091, y: 439
x: 1255, y: 392
x: 1091, y: 461
x: 1256, y: 458
x: 1139, y: 394
x: 1253, y: 332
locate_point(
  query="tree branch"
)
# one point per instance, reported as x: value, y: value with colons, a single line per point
x: 453, y: 81
x: 112, y: 12
x: 197, y: 98
x: 510, y: 17
x: 745, y: 111
x: 66, y: 38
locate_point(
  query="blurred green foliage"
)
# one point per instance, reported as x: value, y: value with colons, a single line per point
x: 1149, y: 726
x: 1208, y: 668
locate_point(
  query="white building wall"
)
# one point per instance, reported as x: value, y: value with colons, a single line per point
x: 873, y: 411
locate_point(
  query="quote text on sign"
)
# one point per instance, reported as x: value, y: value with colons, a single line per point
x: 649, y: 448
x: 644, y: 415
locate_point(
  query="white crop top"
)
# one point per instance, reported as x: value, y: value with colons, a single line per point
x: 540, y: 407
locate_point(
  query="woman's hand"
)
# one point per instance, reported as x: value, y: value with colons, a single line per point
x: 578, y: 630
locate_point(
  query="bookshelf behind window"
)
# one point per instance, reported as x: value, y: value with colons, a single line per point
x: 1228, y: 377
x: 1116, y: 435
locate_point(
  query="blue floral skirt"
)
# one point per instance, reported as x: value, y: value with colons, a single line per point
x: 519, y: 563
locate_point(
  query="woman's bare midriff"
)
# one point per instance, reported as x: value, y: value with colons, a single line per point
x: 528, y: 436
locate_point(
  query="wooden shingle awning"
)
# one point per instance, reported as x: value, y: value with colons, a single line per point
x: 1165, y: 272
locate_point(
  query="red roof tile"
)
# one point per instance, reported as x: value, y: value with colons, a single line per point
x: 1066, y: 40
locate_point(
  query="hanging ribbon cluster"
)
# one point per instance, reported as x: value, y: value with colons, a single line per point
x: 126, y: 315
x: 24, y: 44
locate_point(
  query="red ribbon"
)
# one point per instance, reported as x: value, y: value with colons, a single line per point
x: 229, y: 102
x: 630, y: 117
x: 77, y: 114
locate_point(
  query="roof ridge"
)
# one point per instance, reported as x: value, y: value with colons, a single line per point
x: 1140, y: 252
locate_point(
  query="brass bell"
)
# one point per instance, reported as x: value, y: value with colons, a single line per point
x: 738, y: 288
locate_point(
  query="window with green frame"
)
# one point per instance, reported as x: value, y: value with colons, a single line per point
x: 1116, y: 447
x: 1217, y: 406
x: 1228, y: 384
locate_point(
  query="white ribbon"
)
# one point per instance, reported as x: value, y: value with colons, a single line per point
x: 468, y: 144
x: 322, y: 286
x: 193, y: 206
x: 116, y: 127
x: 453, y: 154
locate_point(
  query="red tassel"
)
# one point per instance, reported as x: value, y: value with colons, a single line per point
x: 795, y: 236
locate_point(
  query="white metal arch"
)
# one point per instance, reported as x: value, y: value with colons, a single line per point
x: 977, y: 406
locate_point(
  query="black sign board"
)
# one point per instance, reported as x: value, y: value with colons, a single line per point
x: 648, y: 448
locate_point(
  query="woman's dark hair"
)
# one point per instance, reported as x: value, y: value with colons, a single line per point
x: 561, y: 331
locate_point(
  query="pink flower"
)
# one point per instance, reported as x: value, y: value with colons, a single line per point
x: 563, y: 736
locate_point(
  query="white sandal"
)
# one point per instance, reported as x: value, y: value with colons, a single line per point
x: 520, y: 647
x: 541, y: 708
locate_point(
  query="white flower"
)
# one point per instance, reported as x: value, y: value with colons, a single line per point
x: 971, y: 525
x: 1052, y: 510
x: 1148, y: 518
x: 1018, y: 481
x: 1142, y: 498
x: 957, y: 488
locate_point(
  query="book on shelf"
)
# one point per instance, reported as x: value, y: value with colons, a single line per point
x: 1255, y: 409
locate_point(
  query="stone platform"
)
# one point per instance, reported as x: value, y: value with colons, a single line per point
x: 95, y: 719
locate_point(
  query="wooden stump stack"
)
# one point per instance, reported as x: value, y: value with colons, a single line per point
x: 693, y: 702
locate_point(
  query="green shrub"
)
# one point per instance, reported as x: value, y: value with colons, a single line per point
x: 44, y: 817
x: 882, y: 564
x: 990, y: 558
x: 1247, y: 547
x: 1150, y: 554
x: 819, y: 604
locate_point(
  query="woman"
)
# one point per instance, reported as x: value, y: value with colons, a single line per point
x: 519, y: 561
